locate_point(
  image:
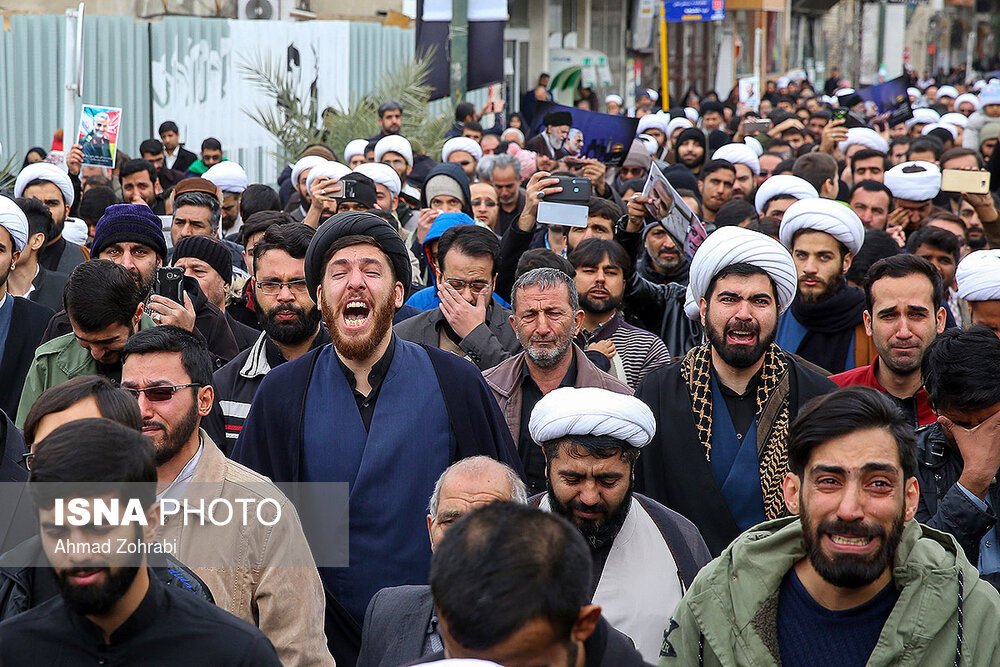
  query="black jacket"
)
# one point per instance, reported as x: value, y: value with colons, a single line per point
x: 492, y: 342
x: 48, y: 290
x: 18, y: 519
x: 27, y: 328
x: 673, y: 469
x: 18, y: 582
x: 185, y: 159
x: 942, y: 504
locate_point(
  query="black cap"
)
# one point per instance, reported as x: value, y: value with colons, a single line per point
x: 358, y: 188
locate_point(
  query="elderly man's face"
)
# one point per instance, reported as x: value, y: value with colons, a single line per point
x: 463, y: 491
x: 545, y: 323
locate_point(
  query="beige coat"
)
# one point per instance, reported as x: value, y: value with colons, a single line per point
x: 286, y: 603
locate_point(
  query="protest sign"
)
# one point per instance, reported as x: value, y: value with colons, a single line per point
x: 672, y: 212
x: 98, y: 135
x: 606, y: 138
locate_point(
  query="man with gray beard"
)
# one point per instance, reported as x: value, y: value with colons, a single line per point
x: 546, y: 316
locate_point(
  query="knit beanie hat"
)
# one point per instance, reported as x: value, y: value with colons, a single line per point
x: 210, y: 250
x: 132, y: 223
x: 990, y: 94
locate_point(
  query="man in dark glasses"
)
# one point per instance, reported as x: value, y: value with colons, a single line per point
x: 169, y: 371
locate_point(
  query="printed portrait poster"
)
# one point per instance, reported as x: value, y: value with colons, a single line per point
x: 98, y: 136
x: 606, y: 138
x: 673, y: 212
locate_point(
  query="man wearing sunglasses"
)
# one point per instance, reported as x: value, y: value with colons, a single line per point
x: 253, y: 570
x: 287, y: 315
x: 468, y: 322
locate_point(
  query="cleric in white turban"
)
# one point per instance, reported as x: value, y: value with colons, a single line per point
x: 782, y: 186
x: 381, y: 174
x: 303, y: 165
x: 12, y: 219
x: 228, y: 176
x: 45, y: 171
x: 737, y: 153
x: 570, y: 411
x: 863, y: 136
x: 677, y: 125
x: 461, y: 145
x: 394, y: 144
x: 327, y: 169
x: 355, y: 149
x: 823, y: 215
x: 914, y: 181
x: 735, y: 245
x: 978, y: 276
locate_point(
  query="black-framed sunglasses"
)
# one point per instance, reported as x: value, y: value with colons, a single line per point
x: 160, y: 394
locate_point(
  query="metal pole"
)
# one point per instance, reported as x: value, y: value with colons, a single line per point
x: 70, y: 80
x: 880, y: 52
x: 458, y: 41
x: 664, y: 70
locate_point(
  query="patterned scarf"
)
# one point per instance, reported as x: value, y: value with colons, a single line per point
x: 772, y: 417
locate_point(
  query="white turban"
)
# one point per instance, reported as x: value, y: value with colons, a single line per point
x: 652, y: 121
x: 918, y: 185
x: 394, y: 144
x: 739, y: 154
x: 569, y: 411
x: 382, y: 174
x: 783, y: 184
x: 823, y: 215
x: 308, y: 162
x: 967, y: 97
x: 678, y: 123
x: 944, y: 126
x: 866, y: 137
x: 328, y: 169
x: 12, y: 219
x: 617, y: 99
x: 922, y: 116
x: 913, y: 92
x: 755, y: 146
x: 76, y: 231
x: 45, y: 171
x: 691, y: 114
x: 840, y: 92
x: 947, y: 91
x: 649, y: 142
x: 978, y: 276
x: 735, y: 245
x: 955, y: 118
x: 461, y: 144
x: 228, y: 176
x: 355, y: 147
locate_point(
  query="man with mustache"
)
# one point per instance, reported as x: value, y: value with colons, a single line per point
x: 546, y: 316
x: 853, y: 575
x: 824, y: 324
x: 289, y: 318
x: 591, y: 439
x: 722, y: 412
x: 903, y: 315
x: 112, y: 606
x: 382, y: 414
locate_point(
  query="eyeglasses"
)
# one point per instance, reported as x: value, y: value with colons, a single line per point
x: 488, y: 203
x: 27, y: 459
x: 271, y: 287
x: 476, y: 286
x: 159, y: 394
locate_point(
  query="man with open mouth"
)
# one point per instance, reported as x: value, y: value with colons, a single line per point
x: 380, y: 413
x: 853, y: 574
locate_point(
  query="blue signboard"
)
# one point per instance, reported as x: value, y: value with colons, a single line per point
x: 684, y: 11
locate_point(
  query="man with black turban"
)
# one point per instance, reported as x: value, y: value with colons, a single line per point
x: 380, y: 413
x: 550, y: 141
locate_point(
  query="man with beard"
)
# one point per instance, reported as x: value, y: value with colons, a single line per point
x: 550, y: 141
x: 104, y: 308
x: 715, y: 184
x: 691, y: 148
x: 824, y: 325
x: 114, y: 604
x: 854, y: 575
x: 978, y: 278
x: 468, y: 321
x: 662, y: 262
x: 376, y: 388
x: 232, y: 181
x: 546, y: 316
x: 95, y: 144
x: 913, y: 185
x: 959, y: 458
x: 591, y: 439
x: 53, y: 187
x: 503, y: 172
x: 288, y: 316
x: 903, y: 318
x: 262, y: 573
x: 602, y: 270
x: 747, y: 166
x: 722, y: 412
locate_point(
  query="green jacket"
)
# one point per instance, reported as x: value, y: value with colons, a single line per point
x: 56, y: 361
x: 731, y: 608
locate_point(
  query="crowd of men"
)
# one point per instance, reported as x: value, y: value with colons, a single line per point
x: 563, y: 445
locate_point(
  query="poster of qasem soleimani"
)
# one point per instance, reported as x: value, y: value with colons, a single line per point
x: 98, y: 135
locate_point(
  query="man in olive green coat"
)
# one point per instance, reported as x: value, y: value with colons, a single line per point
x: 854, y: 579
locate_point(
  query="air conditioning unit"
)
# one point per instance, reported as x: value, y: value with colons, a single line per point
x: 258, y: 9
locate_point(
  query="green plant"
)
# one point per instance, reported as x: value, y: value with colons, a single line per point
x: 295, y: 121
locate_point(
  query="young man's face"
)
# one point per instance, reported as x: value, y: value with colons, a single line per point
x: 138, y: 188
x: 740, y: 317
x: 717, y: 188
x: 662, y: 249
x: 211, y: 157
x: 597, y: 228
x: 158, y: 159
x: 170, y: 140
x: 869, y: 169
x: 398, y: 163
x: 820, y: 265
x: 391, y: 121
x: 943, y: 261
x: 903, y: 321
x: 600, y: 287
x: 485, y: 204
x: 50, y: 195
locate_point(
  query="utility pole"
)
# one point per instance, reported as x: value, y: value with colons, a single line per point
x: 458, y: 43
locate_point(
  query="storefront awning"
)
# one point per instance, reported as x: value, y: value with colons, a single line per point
x: 573, y: 68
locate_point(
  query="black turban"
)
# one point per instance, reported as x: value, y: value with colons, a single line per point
x: 558, y: 118
x: 356, y: 223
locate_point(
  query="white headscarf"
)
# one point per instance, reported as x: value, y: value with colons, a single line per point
x: 823, y: 215
x: 755, y: 146
x: 12, y: 219
x: 228, y: 176
x: 571, y: 411
x: 45, y: 171
x: 952, y: 129
x: 783, y: 184
x: 917, y: 185
x: 967, y: 97
x: 955, y: 118
x: 738, y: 154
x: 978, y: 276
x: 735, y: 245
